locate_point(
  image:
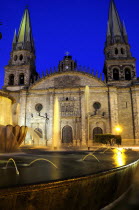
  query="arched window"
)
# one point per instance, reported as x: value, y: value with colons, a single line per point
x: 11, y: 79
x: 15, y: 57
x: 21, y: 57
x: 67, y: 136
x: 122, y: 51
x: 97, y: 130
x: 39, y: 132
x: 116, y: 51
x: 127, y: 74
x: 21, y: 79
x: 115, y: 74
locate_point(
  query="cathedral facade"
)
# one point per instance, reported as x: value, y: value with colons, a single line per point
x: 68, y: 106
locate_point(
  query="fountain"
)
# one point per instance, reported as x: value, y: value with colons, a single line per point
x: 65, y: 183
x: 10, y: 136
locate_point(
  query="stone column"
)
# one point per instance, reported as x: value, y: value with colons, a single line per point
x: 135, y: 107
x: 23, y: 106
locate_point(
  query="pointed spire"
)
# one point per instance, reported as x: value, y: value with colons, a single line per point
x: 108, y: 30
x: 28, y: 36
x: 15, y: 37
x: 109, y: 37
x: 124, y: 29
x: 115, y: 24
x: 114, y: 19
x: 125, y: 33
x: 25, y: 38
x: 24, y: 27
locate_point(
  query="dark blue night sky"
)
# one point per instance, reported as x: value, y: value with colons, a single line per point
x: 77, y: 26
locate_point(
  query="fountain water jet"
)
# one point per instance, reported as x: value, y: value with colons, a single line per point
x: 90, y: 154
x: 87, y: 112
x: 43, y: 159
x: 112, y: 149
x: 11, y: 159
x: 56, y: 124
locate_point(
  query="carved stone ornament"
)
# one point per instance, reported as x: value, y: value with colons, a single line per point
x: 67, y: 81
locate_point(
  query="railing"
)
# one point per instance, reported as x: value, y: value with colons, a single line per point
x: 79, y: 68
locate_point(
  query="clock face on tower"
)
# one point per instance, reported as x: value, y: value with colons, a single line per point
x: 66, y: 67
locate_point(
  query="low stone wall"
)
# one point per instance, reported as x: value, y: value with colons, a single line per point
x: 130, y: 142
x: 90, y: 192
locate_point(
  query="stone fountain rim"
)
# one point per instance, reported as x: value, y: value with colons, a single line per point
x: 35, y: 187
x: 4, y: 94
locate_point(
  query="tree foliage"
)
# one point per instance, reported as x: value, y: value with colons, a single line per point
x: 108, y: 139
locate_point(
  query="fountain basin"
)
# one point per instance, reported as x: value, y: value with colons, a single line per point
x: 76, y: 184
x: 11, y: 137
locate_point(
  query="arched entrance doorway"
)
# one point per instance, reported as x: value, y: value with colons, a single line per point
x: 97, y: 130
x: 67, y: 136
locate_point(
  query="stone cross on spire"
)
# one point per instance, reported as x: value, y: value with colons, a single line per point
x: 67, y: 53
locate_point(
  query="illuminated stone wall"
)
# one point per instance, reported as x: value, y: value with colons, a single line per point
x: 118, y: 107
x: 5, y: 111
x: 125, y: 112
x: 72, y: 109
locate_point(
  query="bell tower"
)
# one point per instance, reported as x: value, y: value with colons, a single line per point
x: 119, y: 67
x: 67, y: 64
x: 21, y: 70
